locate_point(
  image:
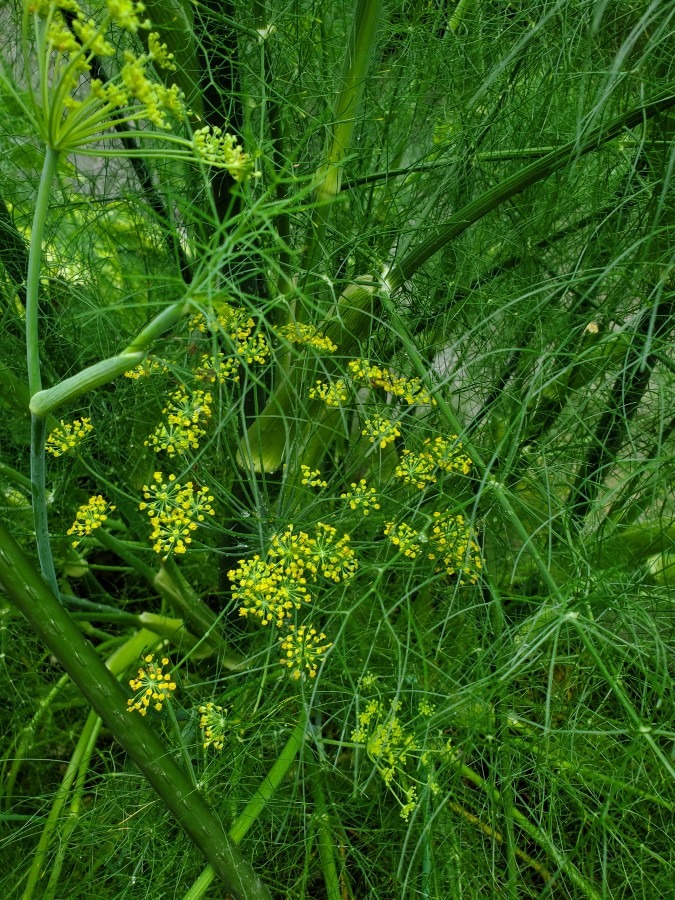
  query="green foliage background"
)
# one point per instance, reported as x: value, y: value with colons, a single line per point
x: 546, y: 332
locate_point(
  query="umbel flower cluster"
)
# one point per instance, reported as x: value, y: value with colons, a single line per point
x: 89, y: 517
x: 175, y: 511
x: 405, y: 765
x: 237, y: 343
x: 67, y: 436
x: 361, y: 373
x: 181, y: 428
x: 73, y: 109
x: 151, y: 686
x: 272, y: 589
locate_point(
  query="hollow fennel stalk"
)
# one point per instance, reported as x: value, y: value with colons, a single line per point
x: 38, y: 424
x: 53, y: 624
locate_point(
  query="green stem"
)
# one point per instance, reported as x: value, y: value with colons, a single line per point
x: 61, y: 635
x: 256, y: 805
x: 107, y: 370
x: 12, y: 475
x: 34, y: 269
x: 325, y: 835
x: 329, y: 176
x: 38, y: 425
x: 38, y: 476
x: 80, y: 757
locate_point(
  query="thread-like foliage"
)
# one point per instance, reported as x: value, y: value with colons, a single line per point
x: 387, y: 475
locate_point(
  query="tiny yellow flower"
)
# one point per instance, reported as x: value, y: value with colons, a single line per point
x: 221, y: 150
x: 151, y: 685
x: 303, y: 650
x: 404, y: 537
x: 380, y: 430
x: 90, y: 516
x: 361, y: 497
x: 333, y: 393
x: 68, y: 435
x: 301, y: 333
x: 174, y: 512
x: 312, y: 478
x: 213, y: 722
x: 415, y: 468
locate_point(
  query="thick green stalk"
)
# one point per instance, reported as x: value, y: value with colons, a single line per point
x: 100, y: 687
x: 328, y: 178
x: 34, y: 269
x: 107, y: 370
x: 38, y: 477
x: 256, y: 805
x: 38, y: 425
x: 325, y: 834
x: 518, y: 182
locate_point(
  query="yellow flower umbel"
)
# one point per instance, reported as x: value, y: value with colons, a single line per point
x: 409, y: 389
x: 361, y: 497
x: 72, y: 111
x: 236, y: 328
x: 68, y: 435
x: 75, y: 110
x: 452, y: 541
x: 307, y: 335
x: 266, y: 591
x: 312, y: 477
x: 222, y: 151
x: 404, y: 537
x: 175, y: 512
x: 303, y: 650
x: 380, y: 430
x: 181, y: 430
x: 388, y: 746
x: 151, y: 685
x: 212, y: 721
x: 148, y: 367
x: 330, y: 555
x: 89, y: 517
x: 415, y: 468
x: 446, y: 453
x: 333, y: 393
x: 271, y: 589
